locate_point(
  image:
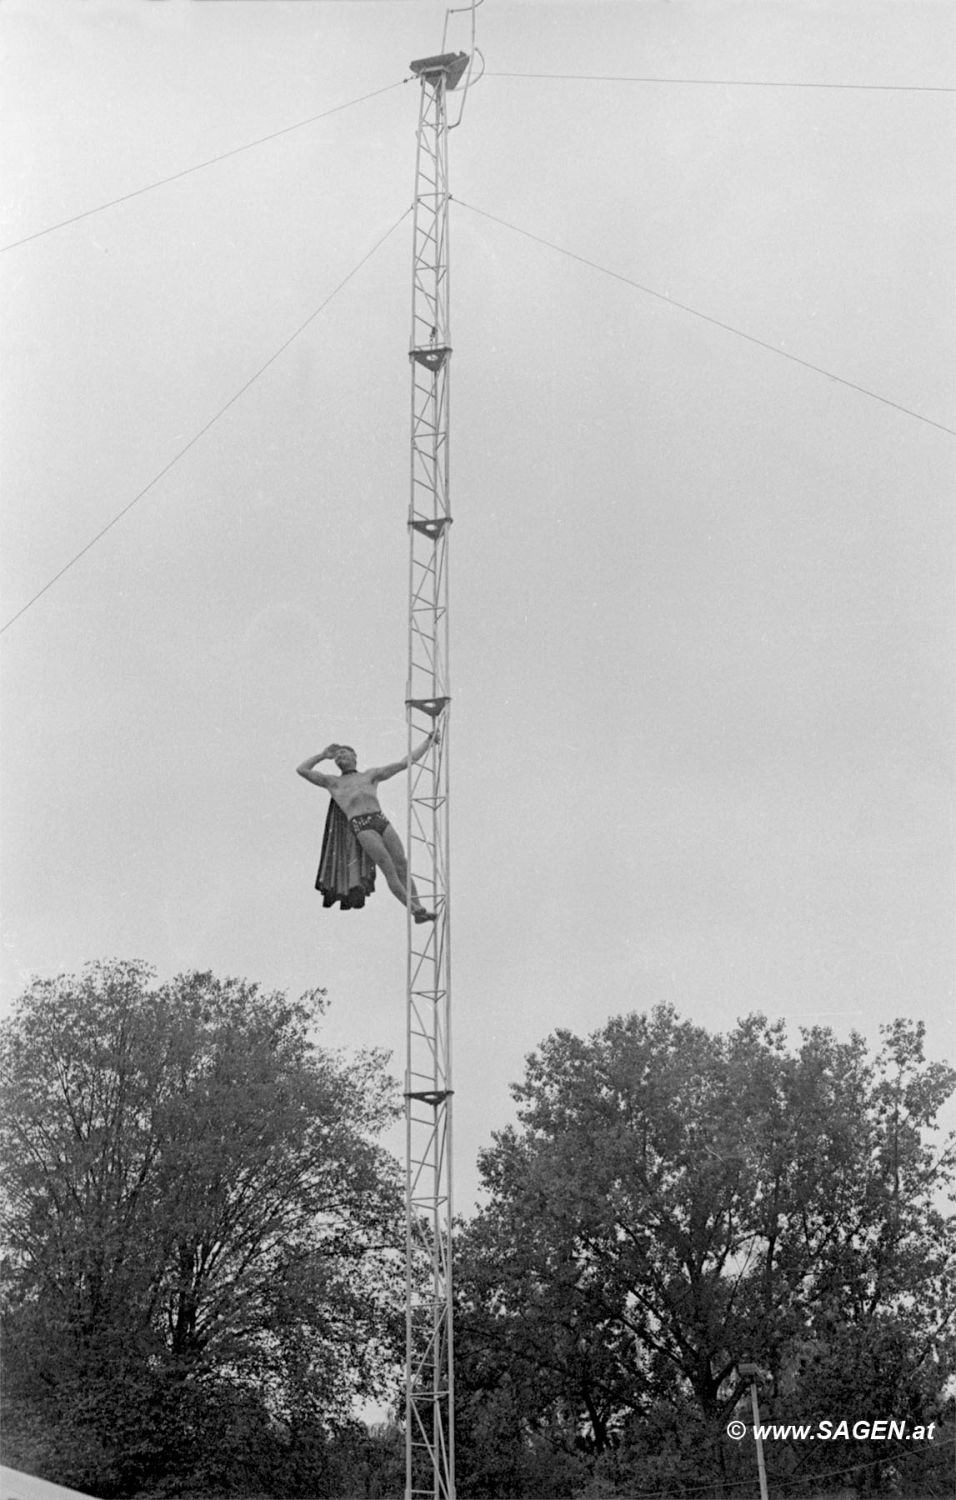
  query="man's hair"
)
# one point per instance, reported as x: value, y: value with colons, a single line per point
x: 340, y: 748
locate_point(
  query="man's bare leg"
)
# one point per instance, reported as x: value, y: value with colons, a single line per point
x: 396, y: 853
x: 383, y: 849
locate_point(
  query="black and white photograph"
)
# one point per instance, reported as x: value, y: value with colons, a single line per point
x: 477, y: 748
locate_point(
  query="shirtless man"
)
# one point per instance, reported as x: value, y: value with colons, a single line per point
x: 356, y: 793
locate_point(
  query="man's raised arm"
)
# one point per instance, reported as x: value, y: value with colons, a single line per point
x: 382, y: 773
x: 307, y: 768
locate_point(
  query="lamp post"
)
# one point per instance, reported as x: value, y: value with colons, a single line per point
x: 753, y: 1371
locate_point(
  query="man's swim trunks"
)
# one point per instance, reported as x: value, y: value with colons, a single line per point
x: 376, y: 821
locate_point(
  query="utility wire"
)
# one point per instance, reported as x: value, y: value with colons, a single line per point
x: 727, y: 327
x: 200, y: 165
x: 203, y: 430
x: 795, y: 1477
x: 735, y: 83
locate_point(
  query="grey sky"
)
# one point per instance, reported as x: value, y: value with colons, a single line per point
x: 702, y: 597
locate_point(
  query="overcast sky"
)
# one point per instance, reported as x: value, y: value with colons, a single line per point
x: 702, y: 595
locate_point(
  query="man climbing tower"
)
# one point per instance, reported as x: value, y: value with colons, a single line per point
x: 355, y: 798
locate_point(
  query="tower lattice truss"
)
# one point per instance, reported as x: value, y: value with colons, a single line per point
x: 428, y: 1085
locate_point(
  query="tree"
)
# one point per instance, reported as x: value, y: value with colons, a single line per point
x: 200, y: 1226
x: 673, y: 1202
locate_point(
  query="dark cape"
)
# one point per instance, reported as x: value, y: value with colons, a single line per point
x: 346, y: 874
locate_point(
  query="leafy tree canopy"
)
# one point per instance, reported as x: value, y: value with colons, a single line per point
x: 198, y: 1220
x: 673, y: 1202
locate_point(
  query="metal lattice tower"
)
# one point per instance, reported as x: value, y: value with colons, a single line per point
x: 429, y: 1371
